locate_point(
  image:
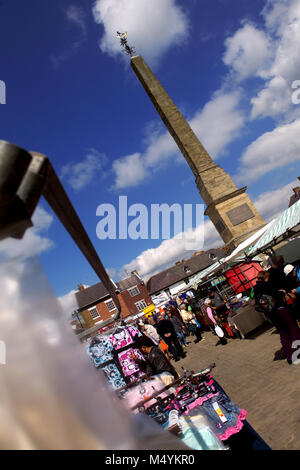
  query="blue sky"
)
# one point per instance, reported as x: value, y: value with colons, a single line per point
x: 71, y: 94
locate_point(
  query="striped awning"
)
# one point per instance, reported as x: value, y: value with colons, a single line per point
x: 202, y: 274
x: 289, y: 219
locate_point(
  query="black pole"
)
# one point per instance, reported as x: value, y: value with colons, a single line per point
x: 24, y: 178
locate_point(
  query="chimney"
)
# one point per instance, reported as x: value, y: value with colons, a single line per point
x: 80, y: 287
x: 135, y: 273
x: 197, y: 253
x: 297, y: 189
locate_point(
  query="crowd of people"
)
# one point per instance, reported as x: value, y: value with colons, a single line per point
x: 277, y: 295
x: 167, y: 333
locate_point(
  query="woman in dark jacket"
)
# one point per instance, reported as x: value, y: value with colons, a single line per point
x: 263, y: 285
x: 286, y: 326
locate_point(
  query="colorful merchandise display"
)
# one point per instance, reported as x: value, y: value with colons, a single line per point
x: 197, y: 410
x: 111, y: 353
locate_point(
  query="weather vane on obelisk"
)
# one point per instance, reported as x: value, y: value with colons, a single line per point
x: 123, y: 40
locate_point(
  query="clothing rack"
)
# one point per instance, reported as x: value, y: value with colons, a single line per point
x: 131, y: 384
x: 184, y: 376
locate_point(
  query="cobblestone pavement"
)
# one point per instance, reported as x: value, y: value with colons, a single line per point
x: 268, y: 389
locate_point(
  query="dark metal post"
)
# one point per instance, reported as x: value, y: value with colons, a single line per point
x: 58, y: 200
x: 14, y: 219
x: 24, y: 177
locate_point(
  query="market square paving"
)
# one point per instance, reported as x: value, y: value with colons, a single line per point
x: 257, y: 378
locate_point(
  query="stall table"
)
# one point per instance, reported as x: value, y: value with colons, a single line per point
x: 246, y: 319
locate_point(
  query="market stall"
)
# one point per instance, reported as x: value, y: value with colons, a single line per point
x: 284, y: 228
x: 194, y: 407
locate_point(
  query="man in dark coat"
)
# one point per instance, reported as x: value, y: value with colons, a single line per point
x: 166, y: 331
x: 156, y: 362
x: 178, y: 327
x: 263, y: 285
x: 277, y: 276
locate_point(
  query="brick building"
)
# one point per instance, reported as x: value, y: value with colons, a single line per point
x: 95, y: 304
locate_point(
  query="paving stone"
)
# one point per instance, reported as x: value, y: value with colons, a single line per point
x: 268, y: 389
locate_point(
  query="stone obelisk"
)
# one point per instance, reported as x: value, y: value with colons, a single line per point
x: 229, y: 208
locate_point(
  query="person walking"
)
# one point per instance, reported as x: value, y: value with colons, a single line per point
x: 263, y: 285
x: 218, y: 326
x: 166, y: 331
x: 178, y: 327
x: 276, y: 272
x: 286, y: 325
x: 292, y: 288
x: 191, y: 323
x: 150, y: 331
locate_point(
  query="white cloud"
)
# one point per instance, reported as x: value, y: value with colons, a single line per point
x: 228, y: 120
x: 13, y: 258
x: 273, y: 100
x: 271, y: 203
x: 247, y: 52
x: 129, y: 171
x: 160, y: 150
x: 283, y: 23
x: 33, y: 243
x: 79, y: 175
x: 111, y: 272
x: 219, y: 122
x: 68, y: 303
x: 152, y: 26
x: 154, y: 260
x: 271, y: 53
x: 271, y: 150
x: 75, y: 16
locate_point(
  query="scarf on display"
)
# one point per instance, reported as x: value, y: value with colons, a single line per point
x: 100, y: 350
x: 128, y: 365
x: 123, y: 337
x: 111, y: 354
x: 114, y: 376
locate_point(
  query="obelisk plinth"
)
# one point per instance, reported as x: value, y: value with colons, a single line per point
x: 229, y: 208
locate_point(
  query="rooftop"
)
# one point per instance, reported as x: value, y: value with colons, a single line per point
x: 183, y: 270
x: 90, y: 295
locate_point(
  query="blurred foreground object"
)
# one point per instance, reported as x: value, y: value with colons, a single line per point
x: 24, y: 178
x: 50, y: 396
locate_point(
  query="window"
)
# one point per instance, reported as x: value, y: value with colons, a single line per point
x: 141, y: 305
x: 133, y: 291
x: 94, y: 313
x: 110, y: 305
x: 186, y: 269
